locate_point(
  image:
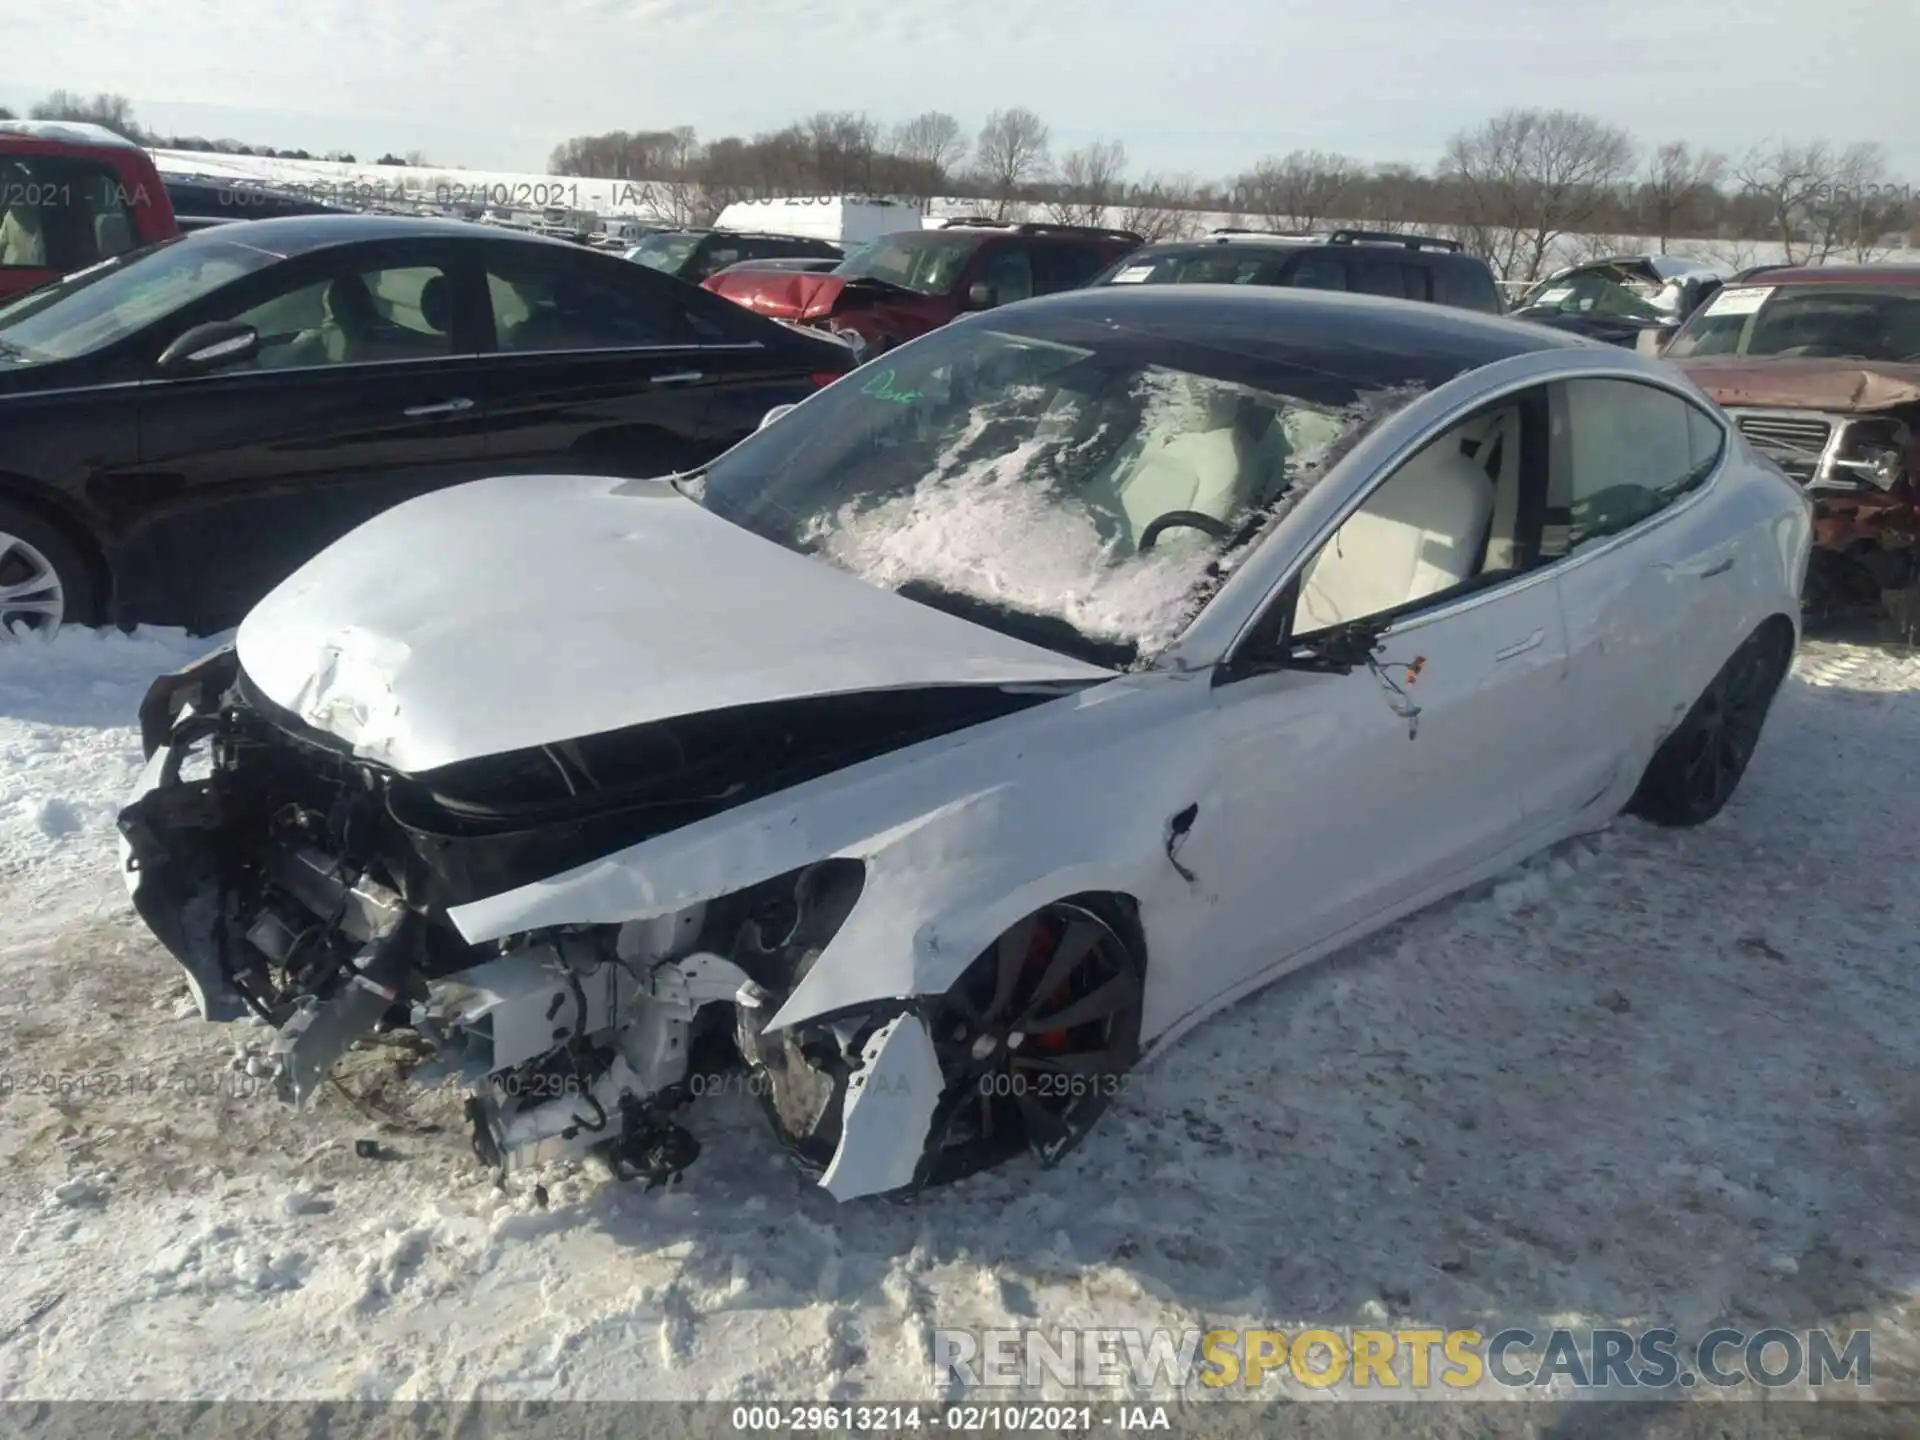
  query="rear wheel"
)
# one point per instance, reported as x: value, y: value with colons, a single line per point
x: 44, y: 579
x: 1034, y: 1042
x: 1697, y: 768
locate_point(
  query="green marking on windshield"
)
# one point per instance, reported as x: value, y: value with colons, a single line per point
x: 880, y: 387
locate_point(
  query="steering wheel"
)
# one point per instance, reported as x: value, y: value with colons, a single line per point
x: 1178, y: 519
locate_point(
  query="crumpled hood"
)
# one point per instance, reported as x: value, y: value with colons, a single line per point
x: 782, y: 294
x: 524, y: 611
x: 1791, y: 383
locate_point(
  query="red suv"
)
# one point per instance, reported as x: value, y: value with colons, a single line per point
x: 71, y: 196
x: 905, y: 284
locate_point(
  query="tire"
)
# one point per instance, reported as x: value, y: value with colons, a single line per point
x: 1040, y: 1090
x: 33, y: 549
x: 1698, y: 767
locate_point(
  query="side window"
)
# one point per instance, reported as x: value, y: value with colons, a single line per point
x: 1009, y: 270
x: 543, y: 302
x: 1465, y: 286
x: 1064, y: 267
x: 721, y: 255
x: 372, y: 313
x: 61, y: 214
x: 1319, y: 271
x: 1376, y: 275
x: 1622, y: 451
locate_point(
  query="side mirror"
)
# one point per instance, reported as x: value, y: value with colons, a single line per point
x: 208, y: 347
x: 1341, y: 648
x: 980, y: 295
x: 772, y: 415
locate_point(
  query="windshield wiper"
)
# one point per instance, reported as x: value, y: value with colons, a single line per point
x: 882, y: 283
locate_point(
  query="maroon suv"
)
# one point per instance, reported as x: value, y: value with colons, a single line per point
x: 905, y: 284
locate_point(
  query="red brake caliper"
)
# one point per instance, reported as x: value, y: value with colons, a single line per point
x: 1046, y: 939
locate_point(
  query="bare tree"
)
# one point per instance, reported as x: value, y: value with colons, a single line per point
x: 843, y: 146
x: 1091, y: 181
x: 931, y: 144
x: 1786, y: 181
x: 418, y: 158
x: 6, y: 114
x: 1677, y: 187
x: 680, y: 198
x: 1298, y: 190
x: 1849, y: 213
x: 1736, y: 254
x: 1160, y: 207
x: 115, y: 112
x: 1389, y: 199
x: 1010, y: 154
x: 1528, y: 177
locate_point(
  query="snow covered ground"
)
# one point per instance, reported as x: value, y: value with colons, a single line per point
x: 1658, y: 1076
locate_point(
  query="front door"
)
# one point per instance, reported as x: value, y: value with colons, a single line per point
x: 1338, y: 797
x: 363, y: 394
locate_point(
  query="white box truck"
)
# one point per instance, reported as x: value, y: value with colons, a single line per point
x: 846, y: 220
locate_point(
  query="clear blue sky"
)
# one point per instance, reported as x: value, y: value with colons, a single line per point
x: 1205, y: 86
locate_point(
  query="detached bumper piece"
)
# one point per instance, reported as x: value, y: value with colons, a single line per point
x: 282, y: 883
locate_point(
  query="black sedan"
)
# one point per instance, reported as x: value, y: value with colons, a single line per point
x: 181, y: 428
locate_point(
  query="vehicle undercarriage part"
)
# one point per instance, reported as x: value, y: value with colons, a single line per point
x: 311, y: 886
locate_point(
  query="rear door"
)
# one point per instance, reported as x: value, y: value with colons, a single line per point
x: 605, y: 368
x: 368, y: 390
x: 1649, y: 579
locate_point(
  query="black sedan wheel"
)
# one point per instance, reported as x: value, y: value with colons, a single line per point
x: 44, y: 582
x: 1034, y: 1042
x: 1696, y: 770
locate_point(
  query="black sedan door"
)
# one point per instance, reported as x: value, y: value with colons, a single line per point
x: 367, y: 391
x: 608, y: 368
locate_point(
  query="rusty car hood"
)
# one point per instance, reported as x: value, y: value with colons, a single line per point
x: 1847, y: 386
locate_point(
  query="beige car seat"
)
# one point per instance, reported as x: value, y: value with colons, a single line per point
x: 1421, y: 532
x: 21, y: 241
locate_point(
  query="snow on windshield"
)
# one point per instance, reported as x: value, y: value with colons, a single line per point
x: 987, y: 531
x: 1050, y: 525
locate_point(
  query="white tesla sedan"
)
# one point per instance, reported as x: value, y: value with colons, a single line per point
x: 971, y: 731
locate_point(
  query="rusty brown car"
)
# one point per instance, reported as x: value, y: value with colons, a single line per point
x: 1819, y: 366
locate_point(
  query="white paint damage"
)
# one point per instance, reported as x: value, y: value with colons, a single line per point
x: 888, y: 1112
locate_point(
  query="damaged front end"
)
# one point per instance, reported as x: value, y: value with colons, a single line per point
x: 310, y: 887
x: 1861, y: 469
